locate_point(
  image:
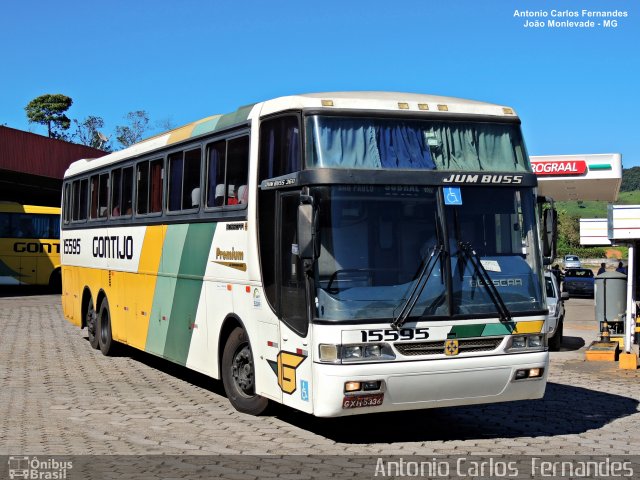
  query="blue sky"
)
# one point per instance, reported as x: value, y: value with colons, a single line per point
x: 575, y: 91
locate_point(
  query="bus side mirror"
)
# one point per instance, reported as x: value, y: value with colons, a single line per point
x: 306, y: 231
x: 549, y: 235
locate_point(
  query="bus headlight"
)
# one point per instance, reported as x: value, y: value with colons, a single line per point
x: 536, y: 341
x: 330, y: 353
x: 352, y: 352
x: 527, y: 342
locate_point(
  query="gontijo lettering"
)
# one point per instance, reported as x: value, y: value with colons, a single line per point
x: 113, y: 247
x: 36, y: 247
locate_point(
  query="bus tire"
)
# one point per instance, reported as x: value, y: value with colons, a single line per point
x: 556, y: 341
x: 55, y: 281
x: 238, y: 374
x: 105, y: 340
x: 91, y: 320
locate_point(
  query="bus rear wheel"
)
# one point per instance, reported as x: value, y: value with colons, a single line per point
x: 105, y: 340
x: 238, y: 374
x: 91, y: 320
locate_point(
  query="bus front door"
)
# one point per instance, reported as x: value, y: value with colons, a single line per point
x: 294, y: 358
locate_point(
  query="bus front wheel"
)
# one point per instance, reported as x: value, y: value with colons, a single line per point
x: 105, y: 340
x: 238, y: 374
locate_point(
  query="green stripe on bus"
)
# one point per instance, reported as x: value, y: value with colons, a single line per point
x: 466, y: 331
x: 165, y: 288
x: 495, y: 329
x: 193, y: 264
x: 239, y: 116
x: 206, y: 127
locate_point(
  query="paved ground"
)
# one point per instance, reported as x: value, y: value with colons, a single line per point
x: 58, y: 396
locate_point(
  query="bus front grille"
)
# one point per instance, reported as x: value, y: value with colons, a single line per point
x: 465, y: 345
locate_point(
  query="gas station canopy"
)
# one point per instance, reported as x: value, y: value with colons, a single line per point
x: 579, y: 177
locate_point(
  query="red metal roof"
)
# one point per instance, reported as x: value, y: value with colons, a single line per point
x: 34, y: 154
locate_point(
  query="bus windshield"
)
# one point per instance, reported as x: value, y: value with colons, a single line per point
x: 394, y: 143
x: 374, y: 241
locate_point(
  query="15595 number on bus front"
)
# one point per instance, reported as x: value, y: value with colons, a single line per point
x: 391, y: 335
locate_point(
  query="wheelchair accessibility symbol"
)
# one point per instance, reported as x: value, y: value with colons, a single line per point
x: 452, y: 196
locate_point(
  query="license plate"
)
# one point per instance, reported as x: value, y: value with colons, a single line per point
x: 373, y: 400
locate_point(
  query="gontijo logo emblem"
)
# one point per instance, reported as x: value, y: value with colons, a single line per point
x: 285, y: 369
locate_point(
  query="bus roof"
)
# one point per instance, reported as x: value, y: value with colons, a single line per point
x: 362, y: 101
x: 11, y: 207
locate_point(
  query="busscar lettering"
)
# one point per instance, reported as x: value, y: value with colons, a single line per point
x: 36, y: 247
x: 113, y: 247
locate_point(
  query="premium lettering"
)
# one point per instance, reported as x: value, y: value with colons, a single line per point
x: 229, y: 255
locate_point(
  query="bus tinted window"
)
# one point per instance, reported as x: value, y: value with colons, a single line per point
x: 155, y: 186
x: 80, y: 193
x: 116, y: 193
x: 127, y: 191
x: 228, y: 172
x: 67, y: 203
x: 184, y: 180
x: 237, y: 170
x: 99, y: 195
x: 149, y: 187
x: 26, y: 225
x: 279, y: 147
x: 215, y: 174
x: 175, y: 181
x: 191, y: 182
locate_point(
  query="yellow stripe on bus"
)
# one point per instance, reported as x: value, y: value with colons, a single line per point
x: 141, y: 286
x: 529, y: 327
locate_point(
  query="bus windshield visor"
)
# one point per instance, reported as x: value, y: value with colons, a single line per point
x: 376, y: 240
x: 379, y: 143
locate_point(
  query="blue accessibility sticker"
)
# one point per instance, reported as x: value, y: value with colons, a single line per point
x: 452, y: 196
x: 304, y: 390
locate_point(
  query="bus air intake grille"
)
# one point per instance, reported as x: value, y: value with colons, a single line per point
x: 465, y: 345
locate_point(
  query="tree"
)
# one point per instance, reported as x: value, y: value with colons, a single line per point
x: 568, y: 230
x: 87, y: 133
x: 630, y: 179
x: 127, y: 135
x: 49, y: 110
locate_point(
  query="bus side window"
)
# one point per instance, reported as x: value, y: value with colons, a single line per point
x: 156, y: 175
x: 216, y: 160
x: 93, y: 211
x: 5, y: 225
x: 142, y: 202
x: 279, y: 147
x: 80, y: 193
x: 237, y: 167
x: 116, y: 193
x: 127, y: 191
x: 184, y: 180
x: 66, y: 206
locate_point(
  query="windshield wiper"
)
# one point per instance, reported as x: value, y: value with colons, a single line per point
x: 474, y: 258
x: 421, y: 281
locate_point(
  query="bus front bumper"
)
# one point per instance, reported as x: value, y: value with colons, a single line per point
x: 427, y: 384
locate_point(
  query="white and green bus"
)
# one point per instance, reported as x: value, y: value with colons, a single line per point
x: 339, y: 253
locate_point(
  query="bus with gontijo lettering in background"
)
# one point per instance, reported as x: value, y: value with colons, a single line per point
x: 29, y: 245
x: 339, y: 253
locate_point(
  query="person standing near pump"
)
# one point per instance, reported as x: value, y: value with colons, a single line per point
x: 621, y: 268
x: 602, y: 269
